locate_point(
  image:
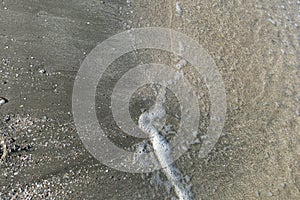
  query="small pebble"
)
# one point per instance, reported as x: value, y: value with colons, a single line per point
x: 7, y: 118
x: 282, y: 185
x: 257, y: 193
x: 3, y: 100
x: 270, y: 194
x: 272, y: 21
x: 42, y: 71
x: 178, y: 8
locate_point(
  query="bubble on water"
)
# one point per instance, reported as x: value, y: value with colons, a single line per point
x: 182, y: 63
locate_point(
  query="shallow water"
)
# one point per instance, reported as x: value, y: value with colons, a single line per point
x: 255, y: 45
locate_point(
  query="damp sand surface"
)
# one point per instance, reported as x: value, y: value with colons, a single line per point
x: 255, y: 45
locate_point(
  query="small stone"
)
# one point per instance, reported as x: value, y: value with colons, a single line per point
x: 257, y: 193
x: 42, y: 71
x: 270, y: 194
x: 282, y: 185
x: 7, y: 118
x: 272, y: 21
x: 3, y: 100
x: 178, y: 8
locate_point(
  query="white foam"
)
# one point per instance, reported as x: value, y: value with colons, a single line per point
x: 162, y: 148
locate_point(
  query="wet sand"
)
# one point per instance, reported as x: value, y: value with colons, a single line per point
x: 255, y: 45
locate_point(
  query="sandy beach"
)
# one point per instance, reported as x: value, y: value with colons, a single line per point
x: 254, y: 45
